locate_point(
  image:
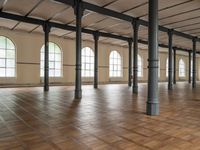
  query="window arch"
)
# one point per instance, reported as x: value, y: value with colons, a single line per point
x: 7, y: 57
x: 167, y: 67
x: 55, y: 60
x: 115, y: 64
x: 140, y: 67
x: 181, y: 68
x: 87, y: 62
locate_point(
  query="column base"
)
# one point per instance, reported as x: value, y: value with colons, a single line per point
x: 152, y: 109
x: 95, y: 86
x: 193, y: 86
x: 78, y: 94
x: 46, y: 88
x: 170, y: 86
x: 135, y: 89
x: 129, y: 84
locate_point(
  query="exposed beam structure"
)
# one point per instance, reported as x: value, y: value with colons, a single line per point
x: 73, y: 28
x: 121, y: 16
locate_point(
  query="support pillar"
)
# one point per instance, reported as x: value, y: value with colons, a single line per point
x: 135, y: 55
x: 96, y: 39
x: 130, y: 63
x: 170, y: 73
x: 189, y: 71
x: 194, y: 63
x: 46, y: 29
x: 78, y: 10
x: 152, y: 100
x: 174, y: 76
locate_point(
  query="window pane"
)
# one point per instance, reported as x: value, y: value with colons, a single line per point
x: 57, y: 57
x: 51, y: 64
x: 2, y: 63
x: 10, y: 54
x: 57, y: 73
x: 2, y: 53
x: 10, y: 72
x: 57, y: 65
x: 2, y: 72
x: 51, y: 73
x: 10, y: 63
x: 2, y: 42
x: 10, y: 45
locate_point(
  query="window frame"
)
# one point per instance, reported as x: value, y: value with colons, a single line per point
x: 141, y: 67
x: 91, y: 63
x: 119, y: 57
x: 15, y: 58
x: 61, y: 61
x: 181, y: 68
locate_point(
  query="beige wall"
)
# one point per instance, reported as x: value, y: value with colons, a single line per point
x: 28, y: 47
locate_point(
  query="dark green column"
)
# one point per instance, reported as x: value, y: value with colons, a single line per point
x: 152, y: 99
x: 46, y: 29
x: 79, y: 13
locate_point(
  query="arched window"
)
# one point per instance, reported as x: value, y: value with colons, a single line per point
x: 115, y: 66
x: 55, y: 61
x: 140, y: 67
x: 181, y: 68
x: 167, y: 67
x: 7, y: 57
x: 87, y: 62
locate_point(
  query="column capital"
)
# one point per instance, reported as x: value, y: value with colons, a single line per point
x: 194, y: 39
x: 135, y: 23
x: 46, y: 27
x: 170, y: 32
x: 78, y: 6
x: 96, y: 35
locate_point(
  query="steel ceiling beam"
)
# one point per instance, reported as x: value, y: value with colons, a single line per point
x: 121, y: 16
x: 73, y: 28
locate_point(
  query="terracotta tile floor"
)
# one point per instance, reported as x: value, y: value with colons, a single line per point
x: 105, y: 119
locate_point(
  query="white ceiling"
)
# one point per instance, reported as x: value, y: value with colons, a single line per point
x: 181, y: 15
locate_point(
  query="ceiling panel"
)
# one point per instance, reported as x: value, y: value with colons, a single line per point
x: 17, y: 6
x: 100, y: 2
x: 25, y: 26
x: 6, y: 23
x: 48, y: 9
x: 124, y: 5
x: 58, y: 32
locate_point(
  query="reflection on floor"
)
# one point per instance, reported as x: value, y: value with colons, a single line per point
x: 108, y: 118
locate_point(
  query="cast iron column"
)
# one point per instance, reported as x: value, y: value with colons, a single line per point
x: 130, y: 63
x: 170, y: 72
x: 152, y: 100
x: 189, y: 72
x: 174, y: 76
x: 96, y: 38
x: 135, y: 55
x: 46, y: 29
x: 78, y: 10
x: 194, y: 63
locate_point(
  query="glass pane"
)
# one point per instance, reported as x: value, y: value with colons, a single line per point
x: 10, y: 72
x: 57, y: 57
x: 41, y: 72
x: 51, y: 64
x: 57, y: 65
x: 2, y: 42
x: 2, y: 63
x: 10, y: 63
x: 2, y: 53
x: 42, y: 56
x: 2, y: 72
x: 10, y: 44
x: 51, y: 57
x: 51, y: 73
x: 10, y: 54
x: 58, y: 73
x: 51, y: 47
x: 42, y: 64
x: 57, y: 49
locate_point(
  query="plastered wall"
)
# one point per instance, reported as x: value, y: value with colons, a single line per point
x: 28, y: 47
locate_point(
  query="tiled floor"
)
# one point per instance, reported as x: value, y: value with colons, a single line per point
x: 108, y: 118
